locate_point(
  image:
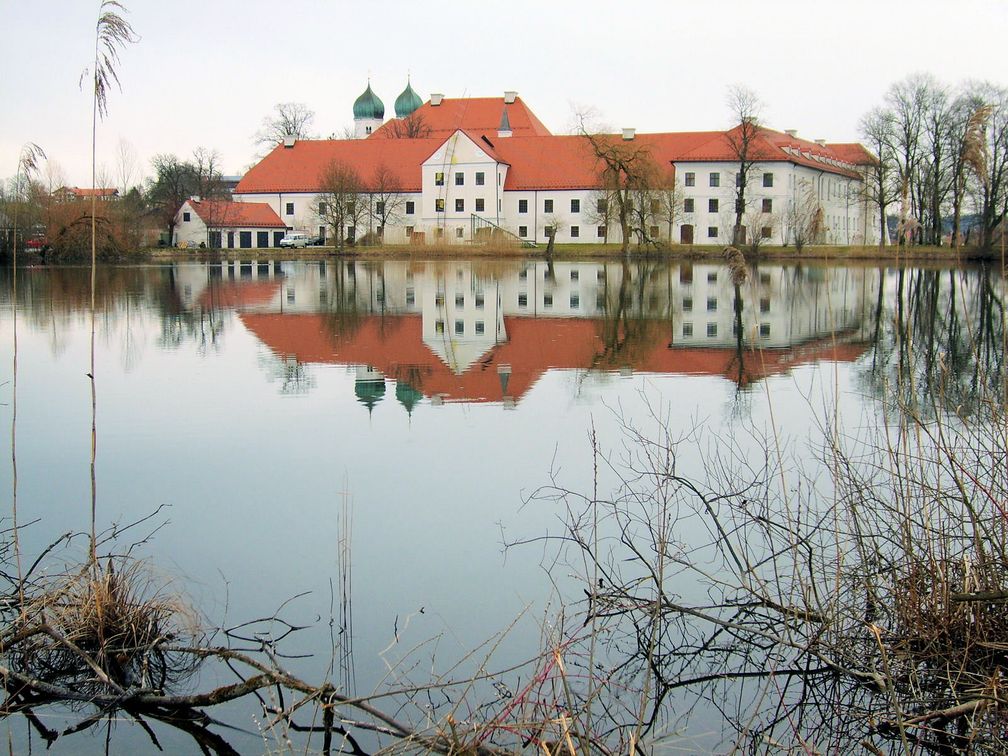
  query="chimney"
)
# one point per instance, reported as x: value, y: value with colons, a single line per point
x: 793, y: 133
x: 194, y: 198
x: 288, y: 140
x: 435, y: 99
x: 509, y: 97
x: 821, y: 142
x: 628, y: 134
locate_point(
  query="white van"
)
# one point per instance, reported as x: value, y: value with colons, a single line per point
x: 296, y: 240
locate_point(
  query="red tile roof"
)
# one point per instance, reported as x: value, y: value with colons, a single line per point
x: 478, y: 114
x: 298, y: 168
x: 854, y: 153
x: 771, y: 146
x: 223, y: 214
x: 394, y: 345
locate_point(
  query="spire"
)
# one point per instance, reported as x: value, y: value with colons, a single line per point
x: 504, y: 130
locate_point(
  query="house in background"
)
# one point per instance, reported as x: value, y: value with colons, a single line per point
x: 227, y: 225
x: 75, y: 193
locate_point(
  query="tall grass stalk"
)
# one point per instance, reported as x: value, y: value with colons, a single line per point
x: 112, y: 33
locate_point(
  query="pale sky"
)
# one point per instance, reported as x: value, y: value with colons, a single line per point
x: 204, y: 74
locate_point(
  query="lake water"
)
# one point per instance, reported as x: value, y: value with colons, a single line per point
x: 408, y: 410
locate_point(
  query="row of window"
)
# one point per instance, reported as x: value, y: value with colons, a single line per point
x: 479, y: 327
x: 712, y: 303
x: 439, y: 205
x: 714, y: 179
x: 714, y: 205
x: 439, y: 178
x: 547, y: 301
x: 712, y: 330
x: 439, y: 299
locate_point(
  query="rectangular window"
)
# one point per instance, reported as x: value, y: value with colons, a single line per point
x: 410, y: 296
x: 523, y: 300
x: 290, y: 208
x: 410, y: 207
x: 715, y: 179
x: 262, y: 239
x: 459, y: 205
x: 712, y: 206
x: 186, y: 217
x: 409, y: 233
x: 479, y: 301
x: 438, y: 326
x: 767, y: 205
x: 322, y: 208
x: 600, y: 232
x: 439, y: 178
x: 480, y: 328
x: 575, y: 206
x: 655, y: 207
x: 439, y: 205
x: 687, y: 304
x: 738, y: 179
x: 575, y: 232
x: 548, y: 232
x: 459, y: 178
x: 522, y: 206
x: 712, y: 232
x: 602, y: 205
x: 653, y: 231
x: 711, y: 304
x: 379, y: 208
x: 459, y: 328
x: 764, y: 304
x: 547, y: 300
x: 767, y: 179
x: 764, y: 278
x: 245, y: 240
x: 479, y: 204
x: 687, y: 329
x: 575, y: 275
x: 687, y: 205
x: 439, y: 299
x: 689, y: 178
x: 764, y: 330
x: 711, y: 330
x: 458, y: 232
x: 766, y: 232
x: 460, y: 300
x: 480, y: 178
x: 522, y: 231
x: 686, y: 273
x: 547, y: 206
x: 575, y: 301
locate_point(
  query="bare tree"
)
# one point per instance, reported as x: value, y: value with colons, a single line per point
x: 907, y: 101
x: 339, y: 202
x: 991, y: 164
x: 877, y: 129
x: 625, y: 168
x: 803, y: 218
x: 126, y: 166
x: 599, y: 211
x: 761, y: 227
x: 413, y: 126
x: 173, y: 183
x: 746, y: 110
x: 287, y: 119
x: 386, y: 199
x: 668, y: 193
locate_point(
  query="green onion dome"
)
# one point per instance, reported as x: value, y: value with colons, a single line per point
x: 407, y: 102
x: 368, y: 105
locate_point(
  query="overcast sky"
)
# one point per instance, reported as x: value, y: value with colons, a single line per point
x: 206, y: 73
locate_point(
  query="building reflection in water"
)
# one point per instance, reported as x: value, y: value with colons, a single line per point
x: 487, y: 331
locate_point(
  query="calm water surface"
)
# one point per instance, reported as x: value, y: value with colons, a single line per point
x: 260, y: 402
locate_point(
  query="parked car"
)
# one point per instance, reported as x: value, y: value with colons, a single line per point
x: 37, y: 243
x: 296, y: 241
